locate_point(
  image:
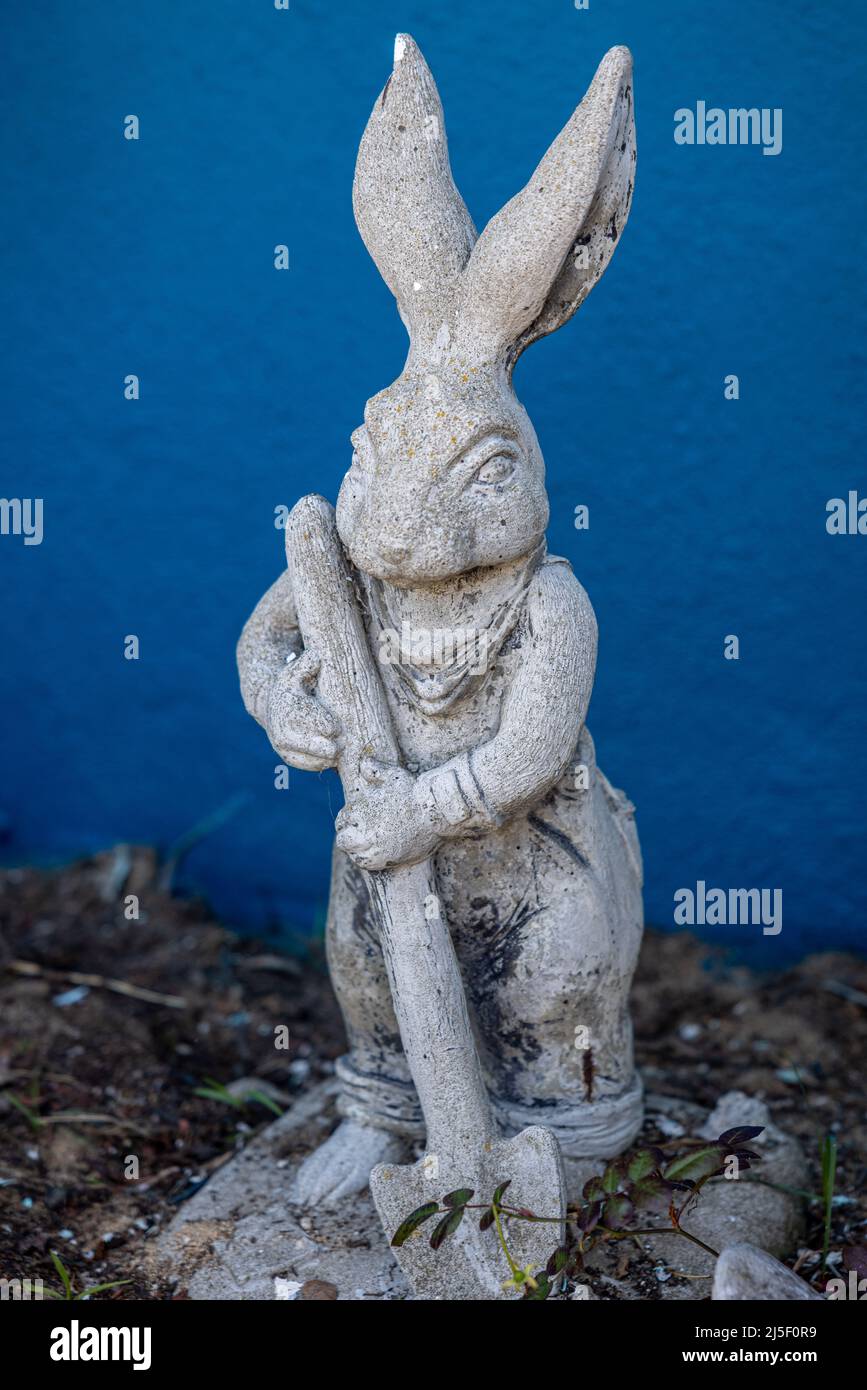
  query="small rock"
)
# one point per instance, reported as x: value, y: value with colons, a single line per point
x: 676, y: 1110
x: 286, y: 1290
x: 746, y: 1273
x: 672, y: 1129
x: 71, y: 996
x: 734, y: 1108
x: 319, y: 1290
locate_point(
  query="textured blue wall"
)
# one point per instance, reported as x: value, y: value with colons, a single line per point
x: 707, y: 516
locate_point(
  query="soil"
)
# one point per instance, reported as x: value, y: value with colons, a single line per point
x: 103, y: 1133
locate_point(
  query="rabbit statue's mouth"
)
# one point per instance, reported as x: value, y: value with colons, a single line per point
x: 435, y: 666
x: 434, y: 694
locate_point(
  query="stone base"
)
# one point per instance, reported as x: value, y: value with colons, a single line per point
x: 240, y: 1238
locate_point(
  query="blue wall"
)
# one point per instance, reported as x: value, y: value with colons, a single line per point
x: 707, y: 516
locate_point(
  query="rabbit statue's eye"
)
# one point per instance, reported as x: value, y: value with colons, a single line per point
x: 495, y: 470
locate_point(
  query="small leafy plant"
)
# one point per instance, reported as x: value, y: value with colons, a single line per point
x: 645, y: 1181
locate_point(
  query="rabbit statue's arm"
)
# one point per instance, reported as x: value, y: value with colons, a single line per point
x: 277, y: 680
x: 542, y: 716
x: 270, y: 635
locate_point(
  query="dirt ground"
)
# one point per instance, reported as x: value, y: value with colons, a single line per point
x: 103, y: 1133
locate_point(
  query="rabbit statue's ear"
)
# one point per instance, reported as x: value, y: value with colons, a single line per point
x: 539, y: 258
x: 411, y: 217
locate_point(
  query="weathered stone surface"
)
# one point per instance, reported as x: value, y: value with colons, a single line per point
x: 241, y: 1238
x: 744, y: 1272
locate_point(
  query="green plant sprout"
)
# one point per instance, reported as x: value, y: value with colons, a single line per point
x: 215, y: 1090
x: 30, y: 1116
x: 69, y: 1294
x: 829, y: 1173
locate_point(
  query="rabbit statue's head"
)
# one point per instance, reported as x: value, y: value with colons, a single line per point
x: 447, y: 475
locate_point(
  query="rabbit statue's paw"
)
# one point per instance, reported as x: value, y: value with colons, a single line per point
x: 302, y: 731
x: 340, y: 1168
x: 387, y: 823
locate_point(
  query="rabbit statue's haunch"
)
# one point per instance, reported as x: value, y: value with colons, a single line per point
x: 485, y: 646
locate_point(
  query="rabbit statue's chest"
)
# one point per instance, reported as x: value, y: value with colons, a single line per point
x: 446, y: 659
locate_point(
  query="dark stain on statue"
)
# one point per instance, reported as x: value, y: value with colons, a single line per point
x: 559, y: 838
x: 363, y: 924
x: 588, y: 1069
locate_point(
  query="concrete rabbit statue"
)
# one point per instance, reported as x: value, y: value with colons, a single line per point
x: 486, y: 648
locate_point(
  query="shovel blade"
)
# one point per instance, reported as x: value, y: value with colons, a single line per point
x: 471, y: 1263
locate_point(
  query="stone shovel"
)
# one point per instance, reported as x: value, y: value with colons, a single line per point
x: 463, y: 1146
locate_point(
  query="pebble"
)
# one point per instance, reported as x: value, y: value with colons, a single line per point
x: 747, y: 1274
x: 318, y: 1290
x: 71, y: 996
x: 286, y: 1290
x: 669, y: 1127
x: 688, y: 1032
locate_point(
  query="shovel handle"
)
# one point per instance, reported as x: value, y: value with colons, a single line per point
x: 420, y: 960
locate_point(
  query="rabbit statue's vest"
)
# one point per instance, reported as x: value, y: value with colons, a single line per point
x: 545, y: 910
